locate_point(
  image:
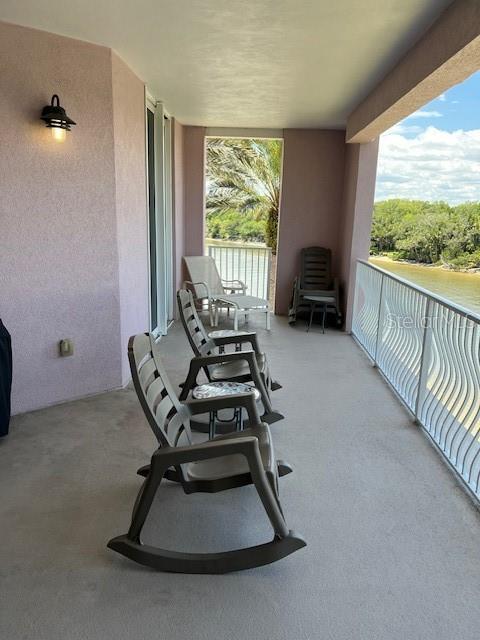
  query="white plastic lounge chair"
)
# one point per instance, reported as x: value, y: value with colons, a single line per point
x: 206, y: 284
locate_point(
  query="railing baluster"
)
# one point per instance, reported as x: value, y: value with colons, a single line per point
x: 258, y: 268
x: 380, y: 316
x: 268, y: 273
x: 424, y: 359
x: 245, y: 270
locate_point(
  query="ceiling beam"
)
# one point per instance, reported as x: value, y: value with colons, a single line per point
x: 445, y: 55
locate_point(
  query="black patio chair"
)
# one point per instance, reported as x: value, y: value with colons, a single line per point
x: 316, y: 280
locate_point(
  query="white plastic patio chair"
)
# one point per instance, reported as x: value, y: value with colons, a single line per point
x: 206, y: 284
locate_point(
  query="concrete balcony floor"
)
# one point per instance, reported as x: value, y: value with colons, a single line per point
x: 392, y: 549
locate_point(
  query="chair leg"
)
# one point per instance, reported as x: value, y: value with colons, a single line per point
x: 312, y: 311
x: 267, y: 494
x: 338, y: 317
x: 212, y: 424
x: 270, y: 384
x: 210, y: 313
x: 145, y: 499
x: 270, y: 416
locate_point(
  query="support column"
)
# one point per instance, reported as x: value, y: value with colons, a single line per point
x: 357, y: 209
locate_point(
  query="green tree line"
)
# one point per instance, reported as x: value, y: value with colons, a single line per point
x: 427, y: 232
x: 243, y: 189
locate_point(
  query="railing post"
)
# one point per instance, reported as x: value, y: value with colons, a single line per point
x: 424, y: 358
x: 379, y: 322
x: 269, y: 267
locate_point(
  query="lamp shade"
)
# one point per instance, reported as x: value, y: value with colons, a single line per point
x: 55, y: 116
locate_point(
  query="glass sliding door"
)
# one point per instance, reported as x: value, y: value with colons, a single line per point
x: 152, y: 220
x: 159, y: 158
x: 168, y: 217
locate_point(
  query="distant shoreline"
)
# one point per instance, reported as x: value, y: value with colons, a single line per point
x: 412, y: 263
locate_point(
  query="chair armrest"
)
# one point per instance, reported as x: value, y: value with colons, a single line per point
x: 205, y: 361
x: 197, y: 284
x: 175, y: 456
x: 241, y: 286
x: 250, y: 337
x: 200, y: 362
x: 245, y: 400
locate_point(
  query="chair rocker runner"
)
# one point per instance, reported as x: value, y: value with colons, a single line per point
x: 206, y: 284
x: 241, y: 366
x: 223, y: 463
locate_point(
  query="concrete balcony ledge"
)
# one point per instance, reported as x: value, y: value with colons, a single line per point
x: 392, y: 539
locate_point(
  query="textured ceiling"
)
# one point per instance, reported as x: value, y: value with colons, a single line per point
x: 245, y: 63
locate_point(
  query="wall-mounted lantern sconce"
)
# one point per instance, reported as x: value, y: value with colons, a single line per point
x: 56, y: 119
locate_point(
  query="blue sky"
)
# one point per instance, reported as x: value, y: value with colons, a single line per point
x: 434, y: 154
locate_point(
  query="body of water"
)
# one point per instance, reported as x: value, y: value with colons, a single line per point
x: 462, y: 288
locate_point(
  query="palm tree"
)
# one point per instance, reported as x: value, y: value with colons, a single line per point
x: 244, y: 175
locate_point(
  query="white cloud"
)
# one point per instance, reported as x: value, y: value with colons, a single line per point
x: 426, y: 114
x: 402, y: 128
x: 442, y: 97
x: 432, y: 165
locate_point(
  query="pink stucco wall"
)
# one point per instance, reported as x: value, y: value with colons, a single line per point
x: 59, y: 255
x: 310, y: 211
x: 178, y: 204
x: 188, y: 195
x: 194, y: 174
x: 131, y: 203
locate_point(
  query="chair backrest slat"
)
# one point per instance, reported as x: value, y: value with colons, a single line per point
x: 201, y: 344
x: 162, y: 412
x: 147, y: 372
x: 204, y: 269
x: 176, y: 427
x: 316, y: 268
x: 155, y: 394
x: 166, y: 416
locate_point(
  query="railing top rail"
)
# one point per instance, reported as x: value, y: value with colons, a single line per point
x: 233, y: 244
x: 468, y: 313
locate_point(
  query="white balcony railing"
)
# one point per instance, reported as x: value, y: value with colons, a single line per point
x: 246, y: 262
x: 428, y: 349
